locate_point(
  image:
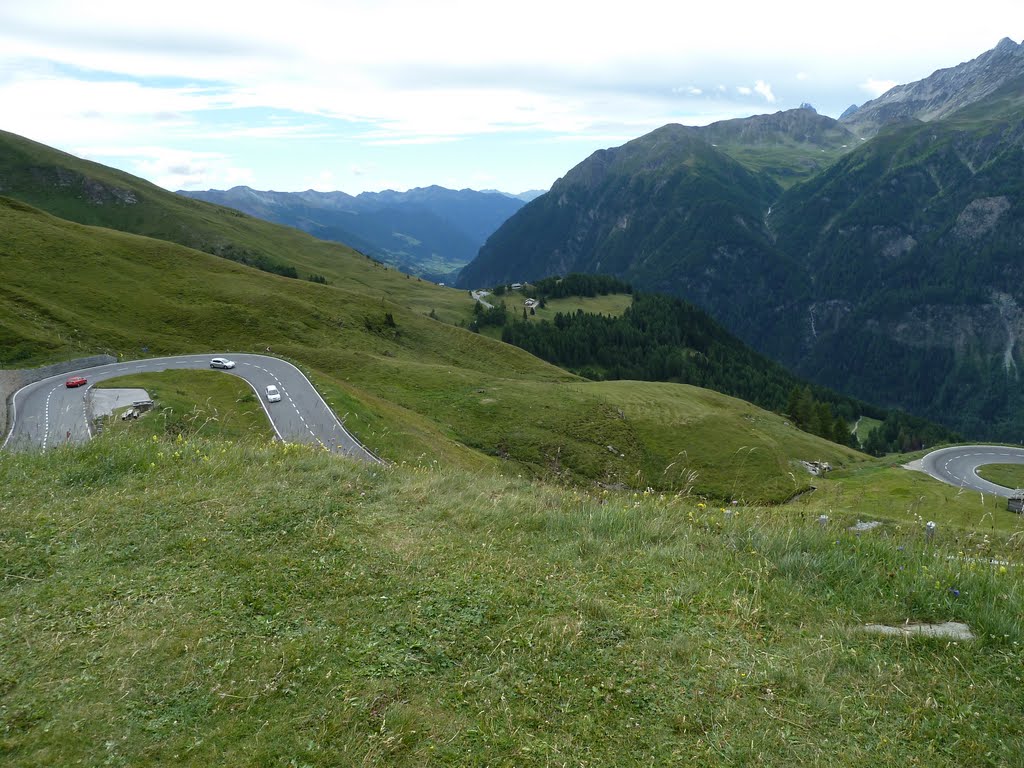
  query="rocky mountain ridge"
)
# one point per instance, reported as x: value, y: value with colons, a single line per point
x: 942, y: 93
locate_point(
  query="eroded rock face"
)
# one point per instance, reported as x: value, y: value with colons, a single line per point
x: 99, y: 193
x: 951, y: 326
x: 991, y: 329
x: 891, y: 242
x: 93, y: 190
x: 980, y: 217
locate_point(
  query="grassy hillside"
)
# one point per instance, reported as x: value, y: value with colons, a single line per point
x: 410, y: 387
x: 193, y: 602
x: 90, y: 193
x: 789, y: 146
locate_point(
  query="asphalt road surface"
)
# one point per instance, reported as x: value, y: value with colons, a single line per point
x: 48, y: 413
x: 958, y: 465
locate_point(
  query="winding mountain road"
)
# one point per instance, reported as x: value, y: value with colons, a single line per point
x: 959, y: 466
x: 47, y: 413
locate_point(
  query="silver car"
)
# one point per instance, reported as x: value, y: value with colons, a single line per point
x: 222, y: 362
x: 273, y: 394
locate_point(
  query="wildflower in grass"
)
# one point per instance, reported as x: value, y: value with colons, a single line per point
x: 954, y: 592
x: 1002, y: 569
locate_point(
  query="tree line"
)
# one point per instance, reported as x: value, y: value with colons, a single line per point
x: 661, y: 338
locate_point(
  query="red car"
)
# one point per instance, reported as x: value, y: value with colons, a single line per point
x: 76, y: 381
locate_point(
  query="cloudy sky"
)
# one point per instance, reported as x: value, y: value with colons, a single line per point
x: 363, y: 95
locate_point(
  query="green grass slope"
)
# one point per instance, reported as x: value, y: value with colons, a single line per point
x: 89, y: 193
x: 410, y: 385
x: 789, y: 146
x: 194, y: 602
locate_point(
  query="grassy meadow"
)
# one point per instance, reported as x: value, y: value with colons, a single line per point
x: 865, y: 426
x: 201, y: 403
x: 1007, y: 475
x: 612, y: 305
x: 187, y: 600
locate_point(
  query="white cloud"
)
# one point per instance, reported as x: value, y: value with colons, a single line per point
x: 395, y: 72
x: 765, y: 90
x: 609, y: 139
x: 877, y: 87
x: 172, y: 169
x: 406, y: 140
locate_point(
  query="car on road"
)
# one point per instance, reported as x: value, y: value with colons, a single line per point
x: 273, y: 394
x: 76, y: 381
x: 222, y: 362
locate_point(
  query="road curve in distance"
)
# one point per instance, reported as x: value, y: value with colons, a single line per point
x: 46, y: 413
x: 959, y: 464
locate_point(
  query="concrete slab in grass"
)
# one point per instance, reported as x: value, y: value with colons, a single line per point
x: 105, y: 401
x: 951, y: 630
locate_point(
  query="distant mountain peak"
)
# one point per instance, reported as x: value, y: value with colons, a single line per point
x: 1007, y: 45
x: 943, y: 92
x: 429, y: 231
x: 849, y: 111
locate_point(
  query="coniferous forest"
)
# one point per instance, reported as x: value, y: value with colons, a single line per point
x: 661, y: 338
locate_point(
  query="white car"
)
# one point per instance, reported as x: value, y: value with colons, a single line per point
x: 273, y: 395
x: 222, y: 362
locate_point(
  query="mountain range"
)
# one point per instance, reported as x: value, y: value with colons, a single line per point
x: 431, y: 231
x: 878, y: 254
